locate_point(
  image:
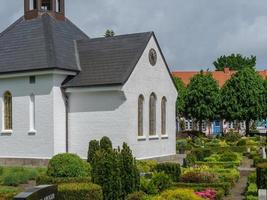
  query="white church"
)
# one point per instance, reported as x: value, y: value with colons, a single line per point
x: 59, y: 89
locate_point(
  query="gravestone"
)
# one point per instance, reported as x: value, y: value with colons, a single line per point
x: 262, y: 194
x: 42, y: 192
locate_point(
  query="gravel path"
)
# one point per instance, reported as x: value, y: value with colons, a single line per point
x: 237, y: 192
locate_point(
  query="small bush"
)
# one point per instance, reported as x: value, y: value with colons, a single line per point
x: 178, y: 194
x: 146, y: 166
x: 228, y: 157
x: 252, y: 197
x: 68, y: 165
x: 252, y: 190
x: 136, y: 196
x: 232, y: 136
x: 161, y: 181
x: 93, y: 147
x: 241, y: 142
x: 81, y: 191
x: 252, y: 178
x: 171, y: 169
x: 190, y: 160
x: 262, y: 176
x: 147, y: 186
x: 199, y: 177
x: 8, y: 193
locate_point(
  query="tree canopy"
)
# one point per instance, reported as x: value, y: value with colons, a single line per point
x: 180, y: 103
x: 243, y: 97
x: 109, y: 33
x: 235, y: 62
x: 202, y: 97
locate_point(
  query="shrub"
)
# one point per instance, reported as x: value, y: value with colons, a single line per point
x: 44, y: 180
x: 262, y: 176
x: 202, y: 153
x: 228, y: 156
x: 252, y: 197
x: 171, y: 169
x: 136, y: 196
x: 130, y: 179
x: 68, y: 165
x: 190, y: 160
x: 8, y: 193
x: 252, y: 178
x: 146, y: 166
x: 207, y: 194
x: 147, y: 186
x: 178, y: 194
x: 161, y: 181
x: 93, y: 147
x: 81, y: 191
x: 181, y: 146
x: 105, y: 144
x: 252, y: 190
x: 232, y: 136
x: 199, y: 177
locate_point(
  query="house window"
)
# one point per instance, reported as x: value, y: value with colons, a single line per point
x: 46, y: 5
x: 58, y: 5
x: 7, y: 111
x: 32, y: 113
x: 33, y: 4
x: 163, y: 115
x: 152, y: 115
x: 141, y: 116
x: 32, y: 79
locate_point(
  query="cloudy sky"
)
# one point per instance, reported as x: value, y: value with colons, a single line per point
x: 192, y: 33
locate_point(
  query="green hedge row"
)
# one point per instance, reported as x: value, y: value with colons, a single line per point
x: 218, y: 164
x: 81, y: 191
x: 171, y: 169
x: 262, y: 176
x: 44, y: 179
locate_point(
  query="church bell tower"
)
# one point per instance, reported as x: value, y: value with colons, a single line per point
x: 34, y: 8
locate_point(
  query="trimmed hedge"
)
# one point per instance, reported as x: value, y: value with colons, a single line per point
x: 81, y: 191
x: 218, y: 164
x: 262, y: 176
x: 198, y: 186
x: 44, y: 179
x: 136, y: 196
x: 171, y: 169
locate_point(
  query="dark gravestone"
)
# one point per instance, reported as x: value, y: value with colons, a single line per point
x: 42, y: 192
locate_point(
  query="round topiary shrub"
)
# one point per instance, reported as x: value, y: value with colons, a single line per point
x: 68, y: 165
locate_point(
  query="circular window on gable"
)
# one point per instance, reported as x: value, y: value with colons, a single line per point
x: 153, y: 57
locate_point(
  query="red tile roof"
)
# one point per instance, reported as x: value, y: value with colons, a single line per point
x: 220, y: 76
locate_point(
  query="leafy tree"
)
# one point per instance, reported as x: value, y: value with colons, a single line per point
x: 202, y: 98
x: 234, y: 62
x: 243, y: 97
x: 105, y: 144
x: 180, y: 103
x: 109, y: 33
x: 265, y: 92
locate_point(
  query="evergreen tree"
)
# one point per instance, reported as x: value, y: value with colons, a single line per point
x: 105, y: 144
x: 243, y: 97
x: 202, y: 98
x: 234, y: 62
x: 93, y: 147
x: 109, y: 33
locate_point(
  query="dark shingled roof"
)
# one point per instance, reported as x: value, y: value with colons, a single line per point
x: 41, y: 43
x: 109, y: 61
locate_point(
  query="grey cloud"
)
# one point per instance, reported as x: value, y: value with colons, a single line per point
x: 192, y: 33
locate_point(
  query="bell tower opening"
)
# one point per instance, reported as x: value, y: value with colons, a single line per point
x: 35, y: 8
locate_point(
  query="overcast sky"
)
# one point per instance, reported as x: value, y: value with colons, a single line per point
x: 192, y: 33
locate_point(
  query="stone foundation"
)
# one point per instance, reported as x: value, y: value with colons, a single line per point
x: 23, y: 162
x: 178, y: 158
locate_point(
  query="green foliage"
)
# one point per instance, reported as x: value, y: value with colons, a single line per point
x: 242, y: 97
x: 81, y: 191
x: 8, y: 193
x: 202, y: 98
x: 241, y: 142
x: 252, y: 197
x: 228, y: 156
x: 136, y: 196
x: 109, y: 33
x: 147, y: 186
x: 68, y: 165
x: 252, y: 178
x: 161, y: 180
x: 178, y: 194
x: 199, y: 177
x: 180, y: 103
x: 235, y: 62
x: 252, y: 190
x: 262, y: 175
x: 44, y: 180
x: 171, y: 169
x: 105, y: 144
x: 232, y: 136
x: 182, y: 145
x: 146, y: 166
x: 93, y: 147
x: 190, y: 160
x: 130, y: 179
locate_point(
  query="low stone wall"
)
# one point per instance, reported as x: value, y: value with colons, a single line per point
x: 178, y: 158
x: 23, y: 162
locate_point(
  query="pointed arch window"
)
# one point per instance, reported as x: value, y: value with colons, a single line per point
x: 8, y: 110
x: 152, y: 114
x: 141, y: 116
x: 163, y: 116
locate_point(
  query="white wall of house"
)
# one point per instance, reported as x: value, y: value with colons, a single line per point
x: 49, y: 117
x: 113, y: 112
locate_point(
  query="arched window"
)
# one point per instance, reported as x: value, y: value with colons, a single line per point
x: 8, y: 111
x: 152, y: 114
x: 163, y: 115
x: 141, y: 116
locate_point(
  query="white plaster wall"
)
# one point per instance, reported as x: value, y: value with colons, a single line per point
x: 114, y: 114
x: 49, y: 138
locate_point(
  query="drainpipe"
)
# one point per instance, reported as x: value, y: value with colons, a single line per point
x: 66, y: 101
